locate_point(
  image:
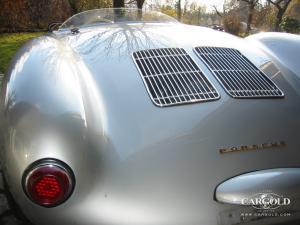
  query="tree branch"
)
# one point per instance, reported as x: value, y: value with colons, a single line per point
x: 277, y: 3
x: 248, y: 1
x: 217, y: 11
x: 130, y: 1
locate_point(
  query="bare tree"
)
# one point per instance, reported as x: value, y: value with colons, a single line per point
x: 251, y: 6
x: 83, y: 5
x: 73, y: 6
x: 281, y: 6
x: 140, y: 3
x: 220, y: 14
x: 229, y: 16
x: 118, y: 3
x: 179, y: 10
x: 229, y: 6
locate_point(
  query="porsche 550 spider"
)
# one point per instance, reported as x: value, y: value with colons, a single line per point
x: 124, y: 117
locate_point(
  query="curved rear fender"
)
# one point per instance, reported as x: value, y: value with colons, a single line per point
x: 43, y: 109
x: 282, y: 47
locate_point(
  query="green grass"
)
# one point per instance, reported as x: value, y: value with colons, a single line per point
x: 9, y: 43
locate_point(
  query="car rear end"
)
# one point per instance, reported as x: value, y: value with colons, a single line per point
x: 158, y: 129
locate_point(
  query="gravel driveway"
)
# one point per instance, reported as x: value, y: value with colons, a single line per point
x: 9, y: 213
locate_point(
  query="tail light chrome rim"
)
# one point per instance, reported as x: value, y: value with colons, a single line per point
x: 48, y: 182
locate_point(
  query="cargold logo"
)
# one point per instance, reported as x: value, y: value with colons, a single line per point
x: 266, y: 201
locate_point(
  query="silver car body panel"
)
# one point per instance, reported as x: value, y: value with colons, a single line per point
x: 79, y: 98
x: 282, y: 181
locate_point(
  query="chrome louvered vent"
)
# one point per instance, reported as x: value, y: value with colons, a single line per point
x: 172, y: 77
x: 239, y: 77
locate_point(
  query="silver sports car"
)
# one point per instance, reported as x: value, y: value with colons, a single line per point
x: 124, y: 117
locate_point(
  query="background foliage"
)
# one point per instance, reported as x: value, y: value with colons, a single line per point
x: 9, y: 43
x: 33, y: 15
x: 238, y: 17
x: 290, y: 25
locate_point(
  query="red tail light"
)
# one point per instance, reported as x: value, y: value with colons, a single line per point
x: 48, y: 183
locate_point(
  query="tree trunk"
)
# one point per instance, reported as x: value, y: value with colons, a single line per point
x: 249, y: 19
x: 73, y: 6
x: 278, y: 20
x: 118, y: 4
x: 281, y: 10
x: 179, y: 10
x: 140, y: 3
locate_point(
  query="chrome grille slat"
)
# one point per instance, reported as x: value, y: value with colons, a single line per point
x: 182, y: 75
x: 201, y: 81
x: 170, y: 71
x: 171, y: 86
x: 181, y: 79
x: 178, y: 82
x: 143, y: 68
x: 172, y: 77
x: 237, y: 74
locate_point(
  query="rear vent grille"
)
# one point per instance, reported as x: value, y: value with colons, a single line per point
x: 239, y: 77
x: 172, y: 77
